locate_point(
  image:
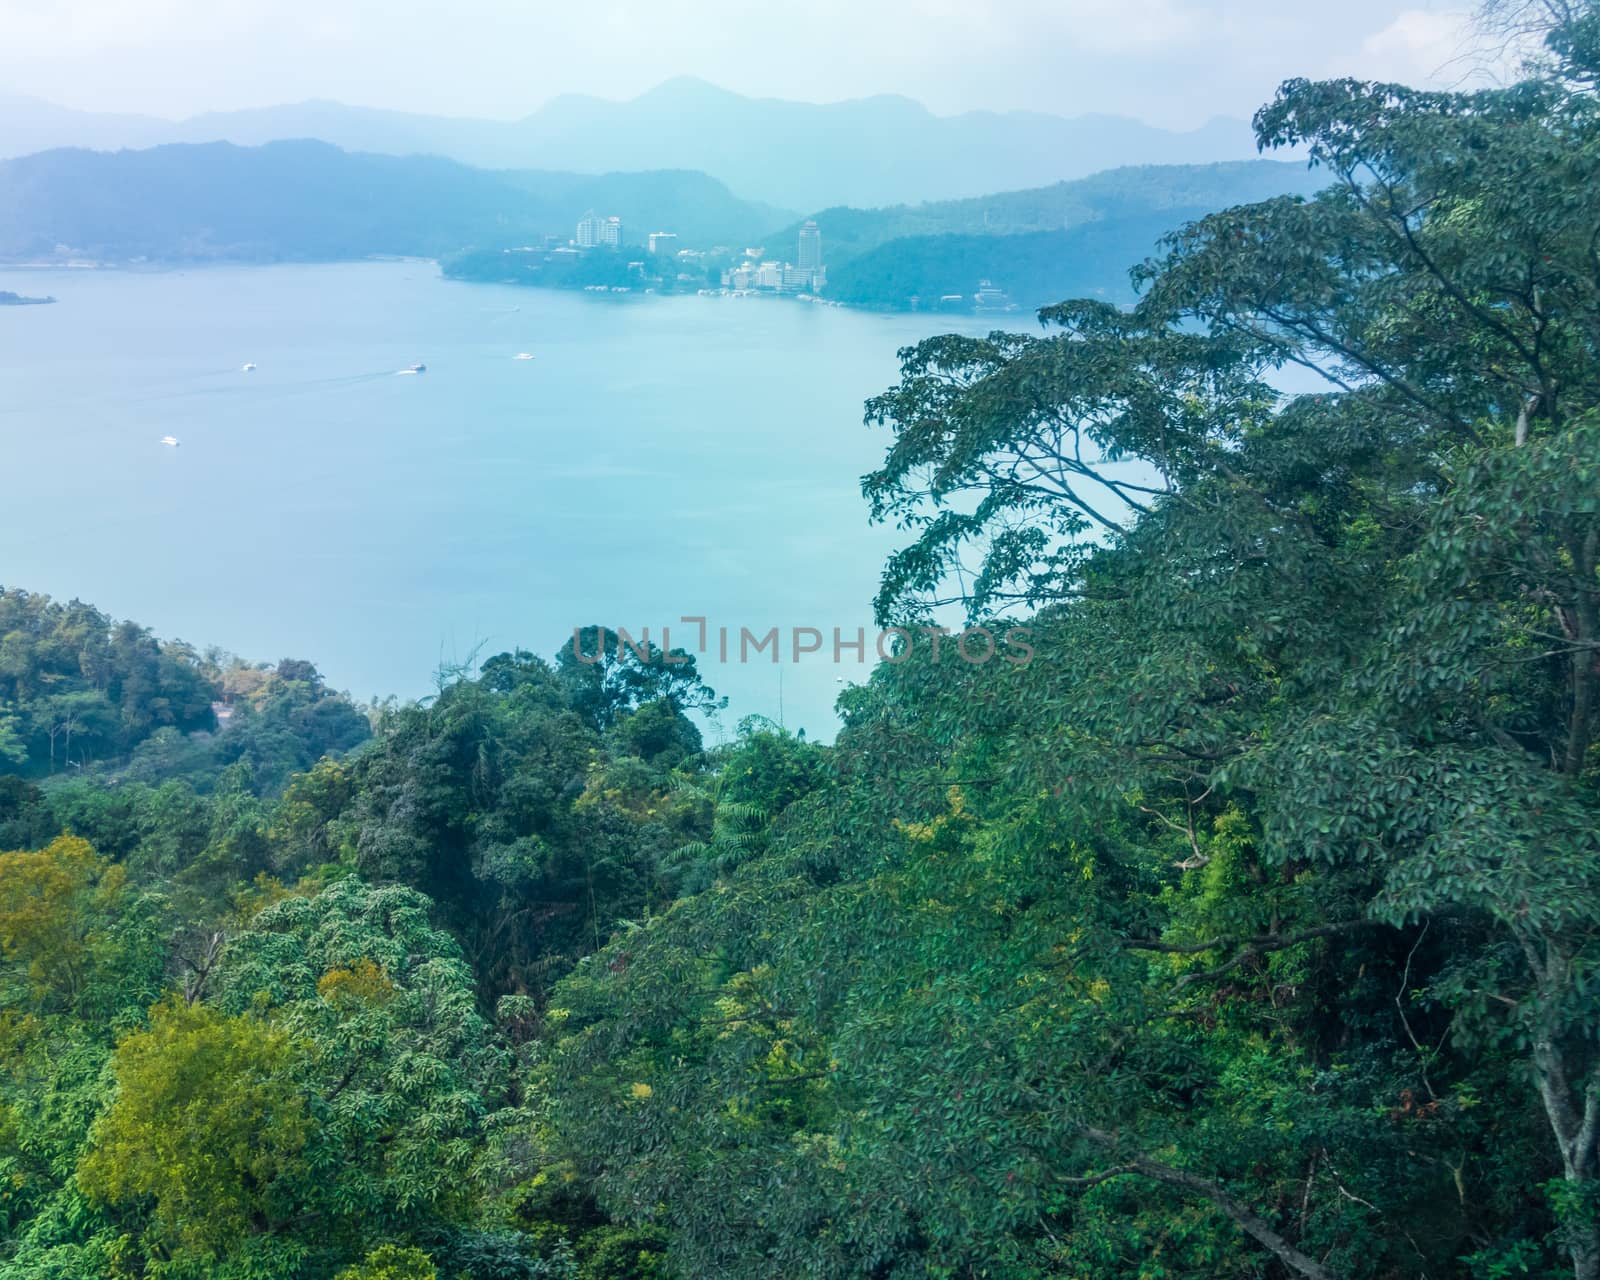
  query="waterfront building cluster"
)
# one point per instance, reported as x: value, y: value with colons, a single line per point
x: 581, y: 263
x: 805, y: 275
x: 594, y: 231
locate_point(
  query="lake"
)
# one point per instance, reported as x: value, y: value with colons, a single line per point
x: 659, y: 457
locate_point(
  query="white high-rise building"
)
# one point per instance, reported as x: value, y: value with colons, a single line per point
x: 611, y: 232
x: 810, y: 258
x: 589, y: 229
x: 663, y: 241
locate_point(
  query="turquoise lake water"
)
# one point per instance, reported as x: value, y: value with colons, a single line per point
x: 658, y: 457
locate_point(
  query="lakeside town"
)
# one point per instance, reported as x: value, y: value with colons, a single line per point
x: 599, y: 258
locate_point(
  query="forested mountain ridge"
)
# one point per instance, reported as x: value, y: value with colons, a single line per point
x: 81, y: 692
x: 351, y: 1052
x: 1120, y: 192
x: 1249, y: 931
x: 1027, y: 269
x: 1035, y: 247
x: 308, y: 201
x: 1067, y: 240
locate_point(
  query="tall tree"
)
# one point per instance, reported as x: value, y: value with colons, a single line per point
x: 1279, y: 860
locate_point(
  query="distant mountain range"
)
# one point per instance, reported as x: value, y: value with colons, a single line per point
x: 309, y: 201
x: 863, y: 152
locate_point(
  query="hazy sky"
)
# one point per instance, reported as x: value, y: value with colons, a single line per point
x: 1168, y: 61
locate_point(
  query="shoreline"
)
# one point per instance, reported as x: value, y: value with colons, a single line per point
x: 164, y: 267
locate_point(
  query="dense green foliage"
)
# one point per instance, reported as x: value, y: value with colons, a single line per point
x: 239, y: 1039
x: 79, y: 691
x: 1251, y: 930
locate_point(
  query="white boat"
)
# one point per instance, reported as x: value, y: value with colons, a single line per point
x: 416, y: 368
x: 248, y: 368
x: 523, y: 355
x: 171, y: 442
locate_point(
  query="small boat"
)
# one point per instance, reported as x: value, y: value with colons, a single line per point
x: 171, y: 442
x: 523, y: 355
x: 248, y: 368
x: 418, y: 368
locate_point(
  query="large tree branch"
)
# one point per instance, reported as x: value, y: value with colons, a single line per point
x: 1256, y: 942
x: 1252, y: 1223
x: 1587, y: 617
x: 1252, y: 948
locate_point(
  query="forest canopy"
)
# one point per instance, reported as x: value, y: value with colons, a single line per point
x: 1251, y: 930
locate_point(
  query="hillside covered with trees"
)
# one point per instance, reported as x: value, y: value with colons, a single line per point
x: 1250, y: 930
x: 1180, y: 191
x: 1070, y: 239
x: 948, y: 271
x: 306, y: 201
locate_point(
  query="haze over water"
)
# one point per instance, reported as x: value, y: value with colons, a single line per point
x: 658, y: 457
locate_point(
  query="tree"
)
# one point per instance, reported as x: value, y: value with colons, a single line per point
x: 83, y: 714
x: 13, y: 747
x: 402, y: 1071
x: 327, y: 1090
x: 391, y: 1262
x: 532, y: 829
x: 606, y: 677
x: 73, y: 936
x: 1250, y: 910
x: 210, y: 1121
